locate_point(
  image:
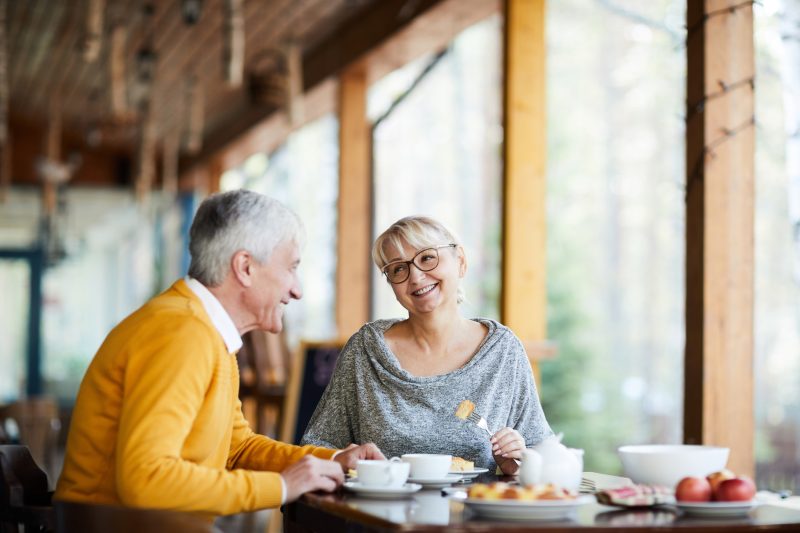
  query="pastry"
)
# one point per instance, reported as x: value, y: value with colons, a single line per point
x: 465, y: 409
x: 461, y: 465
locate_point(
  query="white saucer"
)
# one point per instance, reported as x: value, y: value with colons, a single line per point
x: 386, y: 493
x: 470, y: 474
x: 717, y: 509
x: 437, y: 483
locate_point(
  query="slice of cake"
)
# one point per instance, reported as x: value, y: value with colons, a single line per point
x: 465, y: 409
x: 461, y: 465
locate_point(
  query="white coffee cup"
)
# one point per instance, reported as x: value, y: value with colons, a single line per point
x: 391, y: 473
x: 428, y: 465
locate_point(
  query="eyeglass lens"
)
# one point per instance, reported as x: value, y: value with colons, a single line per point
x: 425, y: 260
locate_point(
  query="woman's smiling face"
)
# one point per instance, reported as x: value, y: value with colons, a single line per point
x: 424, y: 292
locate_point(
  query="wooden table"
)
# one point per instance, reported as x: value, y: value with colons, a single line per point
x: 429, y: 511
x: 86, y: 518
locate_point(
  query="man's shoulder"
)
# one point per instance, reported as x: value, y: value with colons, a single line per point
x: 167, y: 310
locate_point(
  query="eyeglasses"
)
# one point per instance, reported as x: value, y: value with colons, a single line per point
x: 425, y: 260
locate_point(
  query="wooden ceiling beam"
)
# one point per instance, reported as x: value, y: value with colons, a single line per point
x: 37, y: 62
x: 355, y: 38
x: 208, y: 63
x: 57, y: 63
x: 17, y: 11
x: 28, y: 40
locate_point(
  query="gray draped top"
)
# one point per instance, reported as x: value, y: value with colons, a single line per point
x: 372, y: 399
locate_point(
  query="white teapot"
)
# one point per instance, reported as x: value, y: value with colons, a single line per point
x: 552, y: 462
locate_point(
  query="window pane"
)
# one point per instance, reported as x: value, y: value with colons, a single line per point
x: 303, y: 174
x: 438, y: 154
x: 15, y: 288
x: 108, y: 272
x: 616, y: 84
x: 777, y: 246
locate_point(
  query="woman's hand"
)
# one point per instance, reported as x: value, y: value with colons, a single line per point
x: 507, y: 446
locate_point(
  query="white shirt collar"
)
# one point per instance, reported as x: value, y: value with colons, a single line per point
x: 219, y: 317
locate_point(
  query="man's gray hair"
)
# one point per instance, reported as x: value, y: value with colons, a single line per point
x: 228, y: 222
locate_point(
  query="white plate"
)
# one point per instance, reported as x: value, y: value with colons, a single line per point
x: 436, y: 483
x: 386, y: 493
x: 469, y: 474
x: 717, y: 509
x: 527, y: 510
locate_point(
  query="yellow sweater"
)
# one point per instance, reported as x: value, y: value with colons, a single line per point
x: 158, y: 423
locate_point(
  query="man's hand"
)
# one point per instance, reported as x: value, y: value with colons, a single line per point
x: 311, y: 473
x: 350, y: 455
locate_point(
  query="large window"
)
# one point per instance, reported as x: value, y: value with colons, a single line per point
x: 303, y: 174
x: 616, y: 85
x: 777, y: 245
x: 14, y: 278
x: 116, y: 258
x: 437, y: 153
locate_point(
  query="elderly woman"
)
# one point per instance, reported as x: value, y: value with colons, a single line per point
x: 398, y: 383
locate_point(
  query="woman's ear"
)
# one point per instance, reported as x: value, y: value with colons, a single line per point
x: 462, y: 262
x: 242, y: 267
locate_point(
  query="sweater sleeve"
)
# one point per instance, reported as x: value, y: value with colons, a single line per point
x: 252, y: 451
x: 165, y: 383
x: 332, y: 423
x: 526, y: 415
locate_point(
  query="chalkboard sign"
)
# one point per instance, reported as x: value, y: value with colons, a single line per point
x: 311, y: 372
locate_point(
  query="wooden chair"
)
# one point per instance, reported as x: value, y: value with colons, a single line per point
x: 24, y: 495
x: 39, y: 426
x: 263, y: 365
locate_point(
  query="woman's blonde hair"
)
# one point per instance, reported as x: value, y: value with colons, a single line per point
x: 419, y: 232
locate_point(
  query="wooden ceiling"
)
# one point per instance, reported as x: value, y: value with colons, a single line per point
x: 100, y: 100
x: 48, y: 69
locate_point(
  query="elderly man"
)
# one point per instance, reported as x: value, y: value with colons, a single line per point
x: 157, y: 422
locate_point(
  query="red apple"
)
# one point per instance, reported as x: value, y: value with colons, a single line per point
x: 738, y: 489
x: 715, y: 478
x: 693, y: 489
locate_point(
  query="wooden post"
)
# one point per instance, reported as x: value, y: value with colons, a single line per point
x: 718, y: 390
x: 524, y: 292
x: 94, y: 30
x: 146, y: 156
x: 355, y: 199
x: 234, y: 41
x: 195, y: 110
x: 117, y: 76
x: 53, y: 157
x: 170, y: 157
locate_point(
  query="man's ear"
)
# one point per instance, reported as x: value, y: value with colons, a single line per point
x: 242, y: 267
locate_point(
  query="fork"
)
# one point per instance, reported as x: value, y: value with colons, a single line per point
x: 478, y: 420
x: 588, y: 485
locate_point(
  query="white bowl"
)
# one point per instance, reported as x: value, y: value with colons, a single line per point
x: 666, y: 464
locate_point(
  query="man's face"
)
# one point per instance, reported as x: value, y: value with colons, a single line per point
x: 275, y: 284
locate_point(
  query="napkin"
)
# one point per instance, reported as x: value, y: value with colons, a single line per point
x: 605, y: 481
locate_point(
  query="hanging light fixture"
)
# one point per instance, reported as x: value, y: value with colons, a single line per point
x: 146, y: 58
x: 145, y: 64
x: 191, y: 10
